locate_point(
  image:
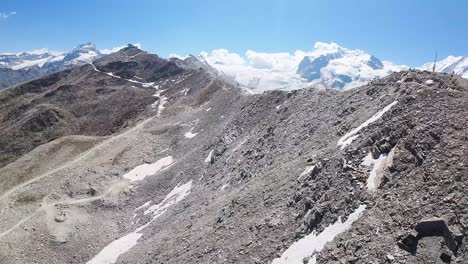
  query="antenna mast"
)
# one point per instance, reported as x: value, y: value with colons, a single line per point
x: 435, y: 62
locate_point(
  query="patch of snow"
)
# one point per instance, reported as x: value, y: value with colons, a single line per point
x: 175, y: 196
x: 190, y: 134
x: 143, y: 206
x: 142, y: 171
x: 313, y: 243
x: 348, y: 141
x: 161, y: 99
x: 429, y: 82
x: 349, y: 137
x: 160, y: 103
x: 376, y: 173
x: 208, y: 159
x: 111, y: 253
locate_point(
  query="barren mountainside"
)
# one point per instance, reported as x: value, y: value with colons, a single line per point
x: 138, y: 159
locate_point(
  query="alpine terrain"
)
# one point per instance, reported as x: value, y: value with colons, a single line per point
x: 132, y: 158
x: 25, y: 66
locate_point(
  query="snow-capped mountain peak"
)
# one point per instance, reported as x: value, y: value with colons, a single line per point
x: 451, y: 64
x: 328, y: 65
x: 26, y: 59
x: 89, y: 46
x: 338, y: 67
x: 41, y: 58
x: 82, y: 54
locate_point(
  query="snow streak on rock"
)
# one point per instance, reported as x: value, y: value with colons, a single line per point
x: 349, y: 137
x: 208, y: 158
x: 175, y: 196
x: 111, y: 252
x: 375, y: 175
x: 312, y: 244
x: 144, y: 170
x: 190, y: 134
x: 161, y: 99
x: 114, y: 250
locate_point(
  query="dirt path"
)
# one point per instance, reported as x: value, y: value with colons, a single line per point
x: 44, y: 206
x: 77, y: 159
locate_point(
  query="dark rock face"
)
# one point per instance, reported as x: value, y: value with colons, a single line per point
x: 375, y: 63
x: 408, y: 243
x: 9, y: 77
x: 310, y: 69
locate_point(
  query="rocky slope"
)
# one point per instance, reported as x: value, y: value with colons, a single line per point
x: 212, y: 175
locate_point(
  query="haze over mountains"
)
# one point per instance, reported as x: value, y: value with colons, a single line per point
x: 328, y: 66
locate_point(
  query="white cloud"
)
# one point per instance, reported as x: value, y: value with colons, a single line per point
x: 5, y: 15
x: 223, y: 57
x: 261, y: 71
x: 326, y: 46
x: 280, y: 61
x: 174, y: 55
x: 112, y: 50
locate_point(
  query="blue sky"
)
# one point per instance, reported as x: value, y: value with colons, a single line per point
x: 402, y: 31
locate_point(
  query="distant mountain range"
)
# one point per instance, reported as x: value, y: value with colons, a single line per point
x: 328, y: 66
x: 451, y: 64
x: 25, y: 66
x: 46, y: 59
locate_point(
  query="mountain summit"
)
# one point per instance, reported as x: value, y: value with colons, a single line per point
x: 328, y: 65
x: 338, y: 67
x: 81, y: 54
